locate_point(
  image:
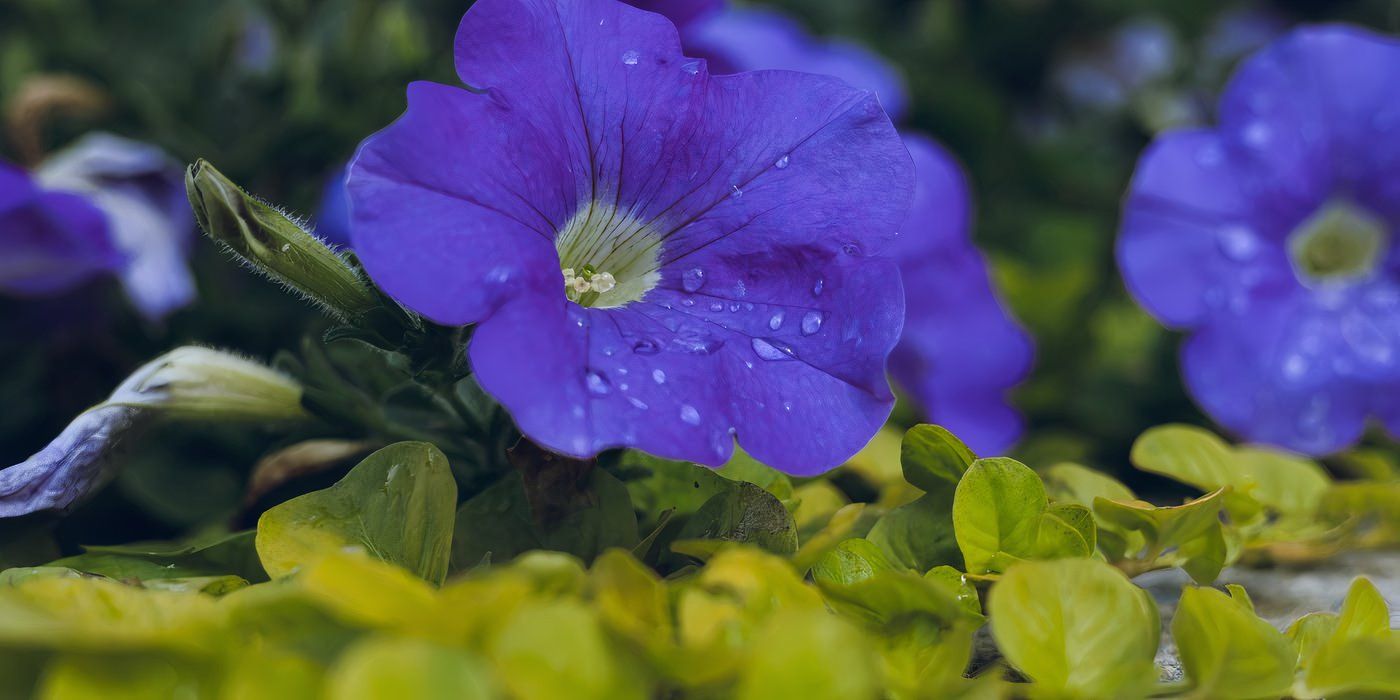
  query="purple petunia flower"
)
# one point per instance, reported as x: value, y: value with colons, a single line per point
x: 961, y: 350
x: 50, y: 242
x: 1272, y: 239
x: 681, y: 12
x: 141, y: 192
x: 656, y: 257
x: 333, y: 212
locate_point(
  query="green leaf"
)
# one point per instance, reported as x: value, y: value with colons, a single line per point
x: 1227, y: 651
x: 745, y: 513
x: 851, y: 561
x: 1077, y: 628
x: 398, y: 505
x: 1079, y: 484
x: 996, y: 514
x: 934, y: 458
x: 1186, y: 453
x: 841, y: 524
x: 1309, y: 632
x: 1066, y: 530
x: 920, y: 535
x: 213, y: 555
x: 1364, y: 612
x: 77, y: 676
x: 1285, y: 482
x: 1204, y: 557
x: 743, y: 467
x: 386, y: 667
x: 811, y: 655
x: 888, y: 595
x: 1355, y: 667
x: 560, y: 650
x: 494, y: 525
x: 1164, y: 527
x: 662, y: 484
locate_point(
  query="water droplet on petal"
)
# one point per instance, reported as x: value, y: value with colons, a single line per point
x: 812, y: 322
x: 776, y: 321
x: 817, y: 288
x: 1238, y: 243
x: 787, y: 406
x: 783, y: 162
x: 716, y: 306
x: 688, y: 301
x: 693, y: 279
x: 735, y: 192
x: 598, y: 384
x: 646, y: 346
x: 769, y: 351
x: 631, y: 57
x: 689, y: 414
x: 637, y: 403
x: 1258, y: 134
x: 658, y: 376
x: 691, y: 67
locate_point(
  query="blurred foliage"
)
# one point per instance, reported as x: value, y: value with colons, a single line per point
x: 279, y: 92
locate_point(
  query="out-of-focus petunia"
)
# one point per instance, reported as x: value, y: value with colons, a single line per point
x: 1272, y: 240
x: 961, y: 350
x: 752, y: 38
x: 50, y: 242
x: 190, y: 383
x: 333, y: 212
x: 141, y: 191
x: 657, y: 257
x: 681, y: 12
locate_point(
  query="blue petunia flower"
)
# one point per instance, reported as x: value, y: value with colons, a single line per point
x: 50, y: 242
x: 333, y: 212
x: 141, y: 191
x: 961, y: 351
x: 657, y: 257
x: 1272, y: 240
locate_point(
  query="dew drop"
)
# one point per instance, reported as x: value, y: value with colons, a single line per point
x: 637, y: 403
x: 817, y: 288
x: 598, y: 384
x: 776, y: 321
x: 1258, y: 134
x: 734, y: 307
x: 646, y: 346
x: 688, y: 301
x: 769, y: 351
x: 783, y: 162
x: 658, y: 376
x: 812, y: 322
x: 689, y: 414
x: 735, y: 192
x: 1238, y: 243
x: 631, y: 57
x: 716, y: 306
x: 693, y: 279
x: 787, y: 406
x: 850, y: 249
x: 691, y: 67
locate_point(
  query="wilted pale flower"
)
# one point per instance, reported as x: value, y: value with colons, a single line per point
x: 189, y: 383
x: 50, y: 242
x: 141, y: 192
x: 961, y: 350
x: 740, y: 218
x: 1271, y: 238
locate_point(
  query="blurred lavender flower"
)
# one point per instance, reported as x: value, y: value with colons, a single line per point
x: 752, y: 38
x: 50, y: 242
x: 1271, y: 238
x: 189, y: 383
x: 141, y: 192
x: 657, y: 257
x: 333, y: 213
x: 961, y: 350
x: 1109, y: 75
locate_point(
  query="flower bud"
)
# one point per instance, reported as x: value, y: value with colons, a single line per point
x: 272, y: 243
x: 197, y: 383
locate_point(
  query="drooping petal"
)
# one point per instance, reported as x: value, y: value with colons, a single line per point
x: 50, y: 242
x: 77, y: 463
x: 782, y: 352
x: 142, y: 193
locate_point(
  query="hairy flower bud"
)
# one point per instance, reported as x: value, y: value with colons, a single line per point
x: 270, y: 242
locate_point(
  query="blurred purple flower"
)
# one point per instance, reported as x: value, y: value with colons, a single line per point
x: 1108, y: 75
x: 657, y: 257
x: 333, y: 213
x: 961, y: 350
x: 1271, y: 238
x: 50, y: 242
x: 141, y: 191
x: 680, y: 12
x: 745, y: 39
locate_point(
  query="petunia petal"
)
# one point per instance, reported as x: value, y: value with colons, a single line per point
x: 51, y: 241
